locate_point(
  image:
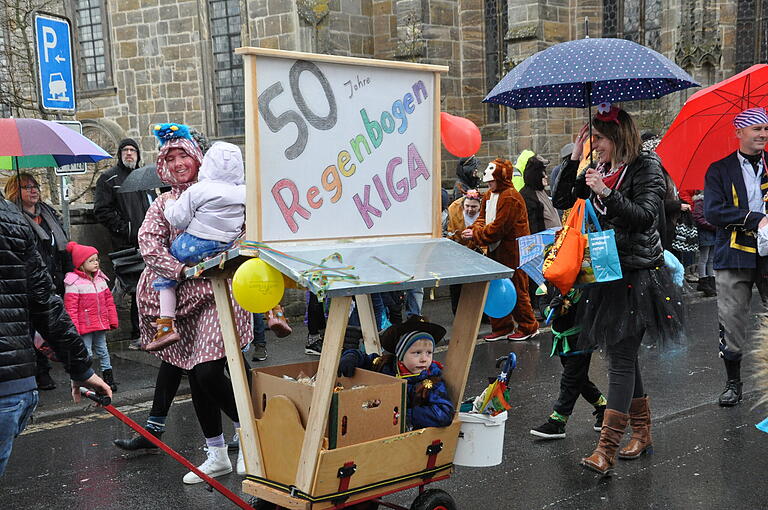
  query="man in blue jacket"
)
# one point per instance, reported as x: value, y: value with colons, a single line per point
x: 734, y: 201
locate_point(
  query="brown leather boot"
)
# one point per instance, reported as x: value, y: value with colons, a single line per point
x: 640, y: 421
x: 603, y: 458
x: 166, y: 335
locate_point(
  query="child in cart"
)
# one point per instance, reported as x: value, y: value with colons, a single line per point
x: 575, y: 358
x: 409, y: 347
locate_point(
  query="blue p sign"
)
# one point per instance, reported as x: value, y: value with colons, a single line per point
x: 53, y: 39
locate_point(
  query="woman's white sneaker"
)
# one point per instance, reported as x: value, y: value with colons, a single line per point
x: 216, y: 464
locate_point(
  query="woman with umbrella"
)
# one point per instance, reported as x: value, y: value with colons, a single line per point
x: 24, y: 191
x: 627, y: 188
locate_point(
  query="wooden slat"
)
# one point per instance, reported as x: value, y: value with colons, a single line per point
x: 253, y: 216
x: 463, y: 339
x: 321, y: 397
x: 368, y: 323
x: 437, y: 178
x: 249, y: 439
x: 386, y: 458
x: 275, y: 496
x: 336, y: 59
x: 280, y: 434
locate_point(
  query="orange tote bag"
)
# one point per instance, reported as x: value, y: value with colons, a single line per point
x: 563, y: 263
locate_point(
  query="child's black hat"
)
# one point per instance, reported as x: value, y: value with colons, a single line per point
x: 415, y: 323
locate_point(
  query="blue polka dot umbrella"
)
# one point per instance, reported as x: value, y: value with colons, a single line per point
x: 587, y: 72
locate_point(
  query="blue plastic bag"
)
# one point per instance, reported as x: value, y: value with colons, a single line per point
x: 601, y: 258
x: 675, y: 267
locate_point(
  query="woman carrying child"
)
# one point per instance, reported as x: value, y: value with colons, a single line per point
x: 211, y: 212
x: 627, y: 189
x: 200, y: 349
x: 89, y: 303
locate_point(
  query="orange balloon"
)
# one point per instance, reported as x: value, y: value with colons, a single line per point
x: 461, y: 137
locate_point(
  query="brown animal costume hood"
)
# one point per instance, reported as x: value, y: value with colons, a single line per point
x: 502, y: 174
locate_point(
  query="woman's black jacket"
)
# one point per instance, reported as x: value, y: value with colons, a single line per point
x: 633, y: 210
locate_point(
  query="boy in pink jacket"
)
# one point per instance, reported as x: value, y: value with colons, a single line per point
x: 89, y: 303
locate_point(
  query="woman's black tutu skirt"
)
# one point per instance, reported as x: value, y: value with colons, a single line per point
x: 643, y: 301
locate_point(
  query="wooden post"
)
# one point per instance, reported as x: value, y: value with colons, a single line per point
x: 368, y: 324
x: 249, y: 439
x: 253, y: 216
x: 317, y: 420
x: 437, y: 196
x: 463, y: 339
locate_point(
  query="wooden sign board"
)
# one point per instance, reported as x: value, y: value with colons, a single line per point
x: 340, y: 147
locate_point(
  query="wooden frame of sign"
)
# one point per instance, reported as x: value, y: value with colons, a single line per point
x: 326, y: 165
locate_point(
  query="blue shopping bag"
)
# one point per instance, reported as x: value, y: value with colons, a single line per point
x: 601, y: 258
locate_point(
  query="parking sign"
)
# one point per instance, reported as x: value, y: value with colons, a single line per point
x: 56, y: 84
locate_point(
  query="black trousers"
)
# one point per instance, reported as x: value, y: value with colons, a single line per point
x: 166, y: 386
x: 574, y: 382
x: 211, y: 394
x: 315, y: 315
x: 624, y: 379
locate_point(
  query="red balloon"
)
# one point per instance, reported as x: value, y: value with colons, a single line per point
x: 461, y: 137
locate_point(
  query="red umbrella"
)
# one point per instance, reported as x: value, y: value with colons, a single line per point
x: 703, y: 131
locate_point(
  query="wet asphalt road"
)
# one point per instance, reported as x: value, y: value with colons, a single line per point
x: 705, y: 457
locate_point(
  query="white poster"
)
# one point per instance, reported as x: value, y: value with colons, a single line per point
x: 345, y: 151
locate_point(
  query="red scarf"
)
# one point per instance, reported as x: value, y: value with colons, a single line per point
x: 612, y: 176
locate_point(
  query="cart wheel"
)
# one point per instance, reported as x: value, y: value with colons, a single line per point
x: 434, y: 499
x: 261, y: 504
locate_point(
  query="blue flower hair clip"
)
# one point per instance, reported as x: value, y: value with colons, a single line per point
x: 169, y: 131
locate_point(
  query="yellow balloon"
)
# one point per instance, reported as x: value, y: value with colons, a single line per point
x: 257, y: 286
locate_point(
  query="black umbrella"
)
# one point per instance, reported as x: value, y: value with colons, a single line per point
x: 142, y: 179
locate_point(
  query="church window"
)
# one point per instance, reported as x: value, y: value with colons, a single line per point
x: 752, y: 30
x: 495, y: 30
x: 228, y: 80
x: 636, y: 20
x: 92, y: 44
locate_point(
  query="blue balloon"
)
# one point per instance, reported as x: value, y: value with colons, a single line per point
x: 502, y: 298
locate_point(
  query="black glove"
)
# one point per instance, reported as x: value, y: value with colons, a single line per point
x: 348, y: 364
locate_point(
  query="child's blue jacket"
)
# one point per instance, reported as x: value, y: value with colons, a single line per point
x: 428, y: 404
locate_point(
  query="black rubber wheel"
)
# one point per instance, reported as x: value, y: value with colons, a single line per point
x: 261, y: 504
x: 434, y: 499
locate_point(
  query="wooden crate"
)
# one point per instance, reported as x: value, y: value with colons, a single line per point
x: 371, y: 405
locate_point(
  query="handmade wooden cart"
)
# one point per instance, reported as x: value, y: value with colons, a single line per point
x: 316, y: 125
x: 287, y: 461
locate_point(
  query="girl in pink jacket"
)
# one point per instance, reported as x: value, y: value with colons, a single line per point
x: 89, y: 303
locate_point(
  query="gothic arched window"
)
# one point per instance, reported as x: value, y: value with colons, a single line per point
x: 92, y: 36
x: 228, y: 82
x: 495, y: 30
x: 636, y: 20
x: 752, y: 30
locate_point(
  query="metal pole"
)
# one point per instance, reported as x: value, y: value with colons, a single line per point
x: 64, y: 187
x: 586, y: 27
x: 588, y: 94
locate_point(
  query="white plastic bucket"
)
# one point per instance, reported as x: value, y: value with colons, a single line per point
x: 481, y: 441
